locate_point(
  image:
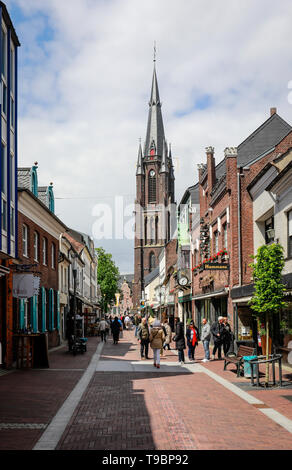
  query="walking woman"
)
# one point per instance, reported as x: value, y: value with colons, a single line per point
x: 115, y: 327
x: 168, y: 335
x: 192, y: 335
x: 180, y: 340
x: 156, y: 338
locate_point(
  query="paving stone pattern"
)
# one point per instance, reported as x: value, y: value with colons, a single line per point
x: 130, y: 405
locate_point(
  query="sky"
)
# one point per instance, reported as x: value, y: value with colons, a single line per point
x: 85, y: 73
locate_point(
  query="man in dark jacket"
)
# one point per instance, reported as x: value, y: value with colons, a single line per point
x: 227, y: 336
x: 179, y: 339
x: 217, y: 331
x: 143, y: 336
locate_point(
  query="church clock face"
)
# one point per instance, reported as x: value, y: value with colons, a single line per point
x: 152, y: 173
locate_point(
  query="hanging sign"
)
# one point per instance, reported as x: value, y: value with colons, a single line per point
x: 216, y: 266
x: 23, y: 286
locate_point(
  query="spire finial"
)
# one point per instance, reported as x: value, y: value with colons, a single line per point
x: 154, y: 52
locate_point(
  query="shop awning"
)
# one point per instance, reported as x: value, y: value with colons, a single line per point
x: 209, y: 295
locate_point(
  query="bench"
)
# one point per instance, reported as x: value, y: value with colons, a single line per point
x: 238, y: 358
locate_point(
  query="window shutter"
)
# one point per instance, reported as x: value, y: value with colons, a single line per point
x: 58, y: 311
x: 21, y: 314
x: 34, y: 313
x: 43, y: 309
x: 51, y: 310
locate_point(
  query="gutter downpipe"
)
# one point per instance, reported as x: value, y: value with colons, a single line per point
x: 239, y: 225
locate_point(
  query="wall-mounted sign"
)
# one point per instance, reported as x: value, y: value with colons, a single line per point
x: 216, y: 266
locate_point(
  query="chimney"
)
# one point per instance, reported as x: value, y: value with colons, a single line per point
x: 273, y: 111
x: 211, y: 168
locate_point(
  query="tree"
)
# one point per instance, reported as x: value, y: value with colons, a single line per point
x: 107, y: 278
x: 269, y: 289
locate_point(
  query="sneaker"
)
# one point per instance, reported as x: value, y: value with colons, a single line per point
x: 205, y: 360
x: 158, y: 366
x: 182, y: 363
x: 213, y: 357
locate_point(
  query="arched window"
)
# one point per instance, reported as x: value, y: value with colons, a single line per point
x: 152, y: 262
x: 152, y: 231
x: 152, y: 186
x: 156, y: 231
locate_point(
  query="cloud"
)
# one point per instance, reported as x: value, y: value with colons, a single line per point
x: 85, y: 78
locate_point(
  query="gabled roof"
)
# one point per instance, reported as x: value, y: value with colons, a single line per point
x: 24, y: 178
x: 264, y: 138
x: 151, y: 276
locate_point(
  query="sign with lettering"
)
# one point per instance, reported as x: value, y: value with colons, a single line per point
x: 216, y: 266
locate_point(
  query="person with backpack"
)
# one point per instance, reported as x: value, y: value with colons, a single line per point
x: 156, y: 342
x: 143, y: 336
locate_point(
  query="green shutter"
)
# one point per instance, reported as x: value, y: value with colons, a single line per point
x: 51, y: 310
x: 43, y: 309
x: 34, y: 313
x: 58, y: 311
x: 21, y: 314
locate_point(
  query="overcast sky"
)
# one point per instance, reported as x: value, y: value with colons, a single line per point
x: 85, y: 72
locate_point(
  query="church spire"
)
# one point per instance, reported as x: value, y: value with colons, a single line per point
x: 140, y: 167
x: 155, y: 129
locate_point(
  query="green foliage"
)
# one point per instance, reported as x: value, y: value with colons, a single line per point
x: 107, y: 277
x: 267, y: 274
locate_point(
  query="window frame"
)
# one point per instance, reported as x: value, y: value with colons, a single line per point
x: 25, y: 241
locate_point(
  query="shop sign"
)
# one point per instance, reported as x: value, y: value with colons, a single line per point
x: 23, y: 286
x: 216, y: 266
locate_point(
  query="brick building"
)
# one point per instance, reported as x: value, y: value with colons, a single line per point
x: 154, y: 196
x: 222, y: 254
x: 8, y: 180
x: 39, y: 231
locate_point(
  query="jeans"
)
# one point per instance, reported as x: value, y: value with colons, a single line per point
x: 156, y: 356
x: 103, y: 335
x: 144, y: 347
x: 206, y: 343
x: 181, y: 355
x: 136, y: 329
x: 191, y: 351
x: 217, y: 345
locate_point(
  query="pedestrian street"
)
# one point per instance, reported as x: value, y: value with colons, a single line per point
x: 128, y: 404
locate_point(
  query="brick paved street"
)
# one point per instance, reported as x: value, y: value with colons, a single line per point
x: 130, y: 405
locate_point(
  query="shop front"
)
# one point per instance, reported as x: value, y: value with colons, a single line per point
x: 210, y: 306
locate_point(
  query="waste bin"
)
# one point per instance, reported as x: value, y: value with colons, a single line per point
x: 247, y: 366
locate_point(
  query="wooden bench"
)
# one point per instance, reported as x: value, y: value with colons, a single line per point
x: 238, y: 358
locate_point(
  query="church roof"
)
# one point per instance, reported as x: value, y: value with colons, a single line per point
x: 155, y: 129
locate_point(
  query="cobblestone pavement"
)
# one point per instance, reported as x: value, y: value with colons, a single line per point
x: 171, y: 408
x: 130, y: 405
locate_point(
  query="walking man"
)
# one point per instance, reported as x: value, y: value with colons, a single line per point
x: 143, y: 337
x: 179, y: 339
x: 226, y: 335
x: 102, y: 328
x: 217, y: 332
x: 206, y: 336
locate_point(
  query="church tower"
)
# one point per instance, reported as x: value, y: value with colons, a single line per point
x: 154, y: 195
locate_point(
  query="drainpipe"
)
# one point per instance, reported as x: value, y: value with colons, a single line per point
x: 239, y: 225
